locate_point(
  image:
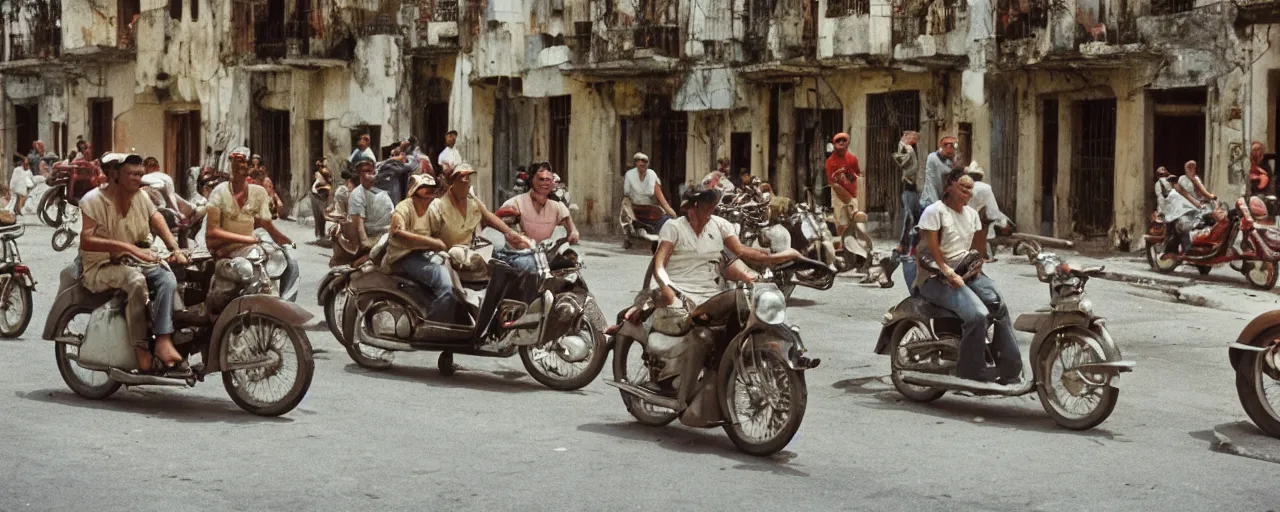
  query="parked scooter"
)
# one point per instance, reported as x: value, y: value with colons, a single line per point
x: 502, y: 311
x: 236, y: 326
x: 1211, y: 246
x: 16, y: 284
x: 637, y: 230
x: 1255, y: 357
x: 1074, y: 361
x: 69, y: 182
x: 751, y: 383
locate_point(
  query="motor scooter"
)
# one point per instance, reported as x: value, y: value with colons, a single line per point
x: 639, y: 224
x: 1215, y: 244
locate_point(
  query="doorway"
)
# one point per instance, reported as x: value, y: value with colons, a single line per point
x: 1093, y: 167
x: 814, y: 129
x: 182, y: 146
x: 101, y: 123
x: 560, y: 117
x: 1179, y: 131
x: 270, y: 137
x: 436, y: 123
x: 27, y: 125
x: 888, y: 115
x: 739, y: 155
x: 660, y: 133
x: 1048, y: 165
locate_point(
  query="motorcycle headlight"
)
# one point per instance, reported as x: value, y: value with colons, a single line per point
x: 1085, y: 306
x: 771, y: 306
x: 808, y: 229
x: 275, y: 263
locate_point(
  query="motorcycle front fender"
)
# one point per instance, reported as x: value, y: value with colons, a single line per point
x: 270, y: 306
x: 1251, y: 336
x: 781, y: 339
x: 1089, y: 328
x: 333, y: 281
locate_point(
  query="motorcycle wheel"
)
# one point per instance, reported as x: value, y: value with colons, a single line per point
x: 1204, y: 269
x: 62, y: 239
x: 546, y: 366
x: 638, y: 373
x: 15, y: 310
x: 767, y: 429
x: 334, y: 303
x: 1260, y: 274
x: 1155, y: 253
x: 256, y: 390
x: 903, y: 336
x: 94, y: 385
x: 844, y: 261
x: 1059, y: 390
x: 52, y: 206
x: 376, y: 358
x: 1258, y: 387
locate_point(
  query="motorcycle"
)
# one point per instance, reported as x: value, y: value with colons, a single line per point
x: 16, y: 284
x: 852, y: 242
x: 237, y: 326
x: 751, y: 383
x: 275, y: 262
x: 1074, y: 360
x: 184, y: 218
x: 1211, y: 246
x: 639, y: 224
x: 1255, y: 358
x: 546, y: 316
x: 69, y: 182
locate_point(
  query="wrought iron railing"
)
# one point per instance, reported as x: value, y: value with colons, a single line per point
x: 1018, y: 19
x: 1162, y: 7
x: 842, y: 8
x: 665, y: 39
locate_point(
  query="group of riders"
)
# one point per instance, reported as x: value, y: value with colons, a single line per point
x: 439, y: 211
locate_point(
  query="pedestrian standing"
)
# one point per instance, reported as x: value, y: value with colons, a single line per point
x: 843, y: 173
x: 20, y: 184
x: 322, y: 184
x: 936, y: 167
x: 449, y: 155
x: 908, y: 162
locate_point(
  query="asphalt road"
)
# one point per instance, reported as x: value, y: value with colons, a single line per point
x: 491, y: 438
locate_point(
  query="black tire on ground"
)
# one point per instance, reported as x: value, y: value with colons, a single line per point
x: 599, y: 353
x: 1204, y: 269
x: 1248, y: 372
x: 52, y: 200
x: 797, y: 390
x: 1261, y: 274
x: 306, y: 366
x: 1099, y: 414
x: 912, y: 392
x: 446, y: 365
x: 653, y: 417
x: 80, y: 387
x: 24, y: 302
x: 349, y: 326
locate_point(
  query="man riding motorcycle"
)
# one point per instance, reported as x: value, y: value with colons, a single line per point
x: 948, y: 228
x: 117, y: 220
x: 236, y: 208
x: 452, y: 219
x: 369, y: 210
x: 409, y: 243
x: 688, y: 258
x: 642, y: 186
x: 539, y: 217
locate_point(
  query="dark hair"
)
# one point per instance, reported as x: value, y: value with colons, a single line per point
x: 951, y: 178
x: 544, y: 168
x: 451, y: 132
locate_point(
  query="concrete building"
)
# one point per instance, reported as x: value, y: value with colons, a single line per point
x: 1069, y: 105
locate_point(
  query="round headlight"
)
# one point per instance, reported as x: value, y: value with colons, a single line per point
x: 771, y: 306
x: 276, y: 263
x: 255, y: 254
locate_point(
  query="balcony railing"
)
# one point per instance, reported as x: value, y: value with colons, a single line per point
x: 914, y: 18
x: 842, y: 8
x: 437, y: 10
x: 1018, y: 19
x: 39, y: 44
x: 664, y: 39
x: 1162, y: 7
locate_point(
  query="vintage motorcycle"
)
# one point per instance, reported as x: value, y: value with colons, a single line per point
x: 639, y: 224
x: 16, y: 284
x: 544, y: 316
x: 1255, y: 357
x: 1074, y: 361
x: 69, y: 182
x: 752, y: 381
x: 236, y: 325
x: 1213, y: 245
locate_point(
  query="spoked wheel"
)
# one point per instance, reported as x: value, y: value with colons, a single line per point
x: 904, y: 353
x: 333, y: 307
x: 1160, y: 260
x: 62, y: 239
x: 630, y: 366
x: 283, y: 366
x: 90, y: 384
x: 1075, y: 399
x: 1258, y: 386
x: 15, y: 307
x: 52, y: 207
x: 763, y: 399
x: 569, y: 363
x: 372, y: 358
x: 1260, y: 274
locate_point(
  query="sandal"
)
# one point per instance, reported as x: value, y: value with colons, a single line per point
x: 176, y: 370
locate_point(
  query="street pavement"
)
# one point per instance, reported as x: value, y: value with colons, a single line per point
x: 491, y: 438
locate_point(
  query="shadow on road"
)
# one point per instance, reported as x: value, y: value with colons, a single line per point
x: 179, y: 407
x: 479, y: 380
x: 800, y: 303
x: 696, y: 442
x: 1003, y: 412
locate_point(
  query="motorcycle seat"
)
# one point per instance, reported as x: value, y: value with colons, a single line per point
x: 922, y: 308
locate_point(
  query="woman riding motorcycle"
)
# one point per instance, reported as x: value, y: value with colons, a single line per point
x: 688, y: 259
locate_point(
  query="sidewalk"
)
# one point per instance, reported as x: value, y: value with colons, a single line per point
x: 1224, y: 289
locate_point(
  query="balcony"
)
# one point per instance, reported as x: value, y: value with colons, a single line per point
x: 656, y: 40
x: 848, y: 34
x: 930, y: 33
x: 31, y: 41
x: 1257, y: 12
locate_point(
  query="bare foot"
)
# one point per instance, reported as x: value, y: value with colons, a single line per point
x: 165, y: 351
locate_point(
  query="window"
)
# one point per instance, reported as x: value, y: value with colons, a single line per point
x: 966, y: 145
x: 195, y: 10
x: 560, y: 115
x: 315, y: 140
x: 375, y: 135
x: 175, y: 10
x: 101, y: 123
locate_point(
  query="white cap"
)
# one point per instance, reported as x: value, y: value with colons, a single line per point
x: 640, y: 156
x: 116, y: 158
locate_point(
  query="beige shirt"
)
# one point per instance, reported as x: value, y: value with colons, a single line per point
x: 452, y: 226
x: 413, y: 223
x: 235, y: 218
x: 134, y: 227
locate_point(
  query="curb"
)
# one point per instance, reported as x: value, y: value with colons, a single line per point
x: 1243, y: 439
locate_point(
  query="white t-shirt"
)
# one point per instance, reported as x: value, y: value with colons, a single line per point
x: 694, y: 265
x: 1172, y: 205
x: 449, y: 155
x: 366, y: 152
x: 984, y: 197
x: 1189, y: 185
x: 956, y: 229
x: 640, y: 191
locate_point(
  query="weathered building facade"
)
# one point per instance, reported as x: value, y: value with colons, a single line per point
x: 1068, y: 104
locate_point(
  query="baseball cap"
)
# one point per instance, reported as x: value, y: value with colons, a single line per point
x: 121, y: 158
x: 459, y: 170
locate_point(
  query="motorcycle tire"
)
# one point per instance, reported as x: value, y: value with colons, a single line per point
x: 845, y: 261
x: 1204, y: 269
x: 24, y: 302
x: 595, y: 362
x: 919, y: 394
x: 67, y: 367
x: 1250, y: 372
x: 53, y: 199
x: 62, y: 239
x: 333, y: 318
x: 1261, y: 275
x: 1048, y: 353
x: 797, y: 391
x: 305, y: 369
x: 353, y: 346
x: 641, y: 411
x: 1158, y: 263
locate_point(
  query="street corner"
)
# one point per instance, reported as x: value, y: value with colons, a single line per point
x: 1244, y: 439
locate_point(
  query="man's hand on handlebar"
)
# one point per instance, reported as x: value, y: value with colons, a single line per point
x: 783, y: 256
x: 144, y: 255
x: 178, y: 257
x: 518, y: 241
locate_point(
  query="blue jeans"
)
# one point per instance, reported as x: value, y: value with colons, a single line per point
x: 161, y: 284
x: 661, y: 220
x: 436, y: 285
x: 911, y: 211
x: 524, y: 262
x: 973, y: 303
